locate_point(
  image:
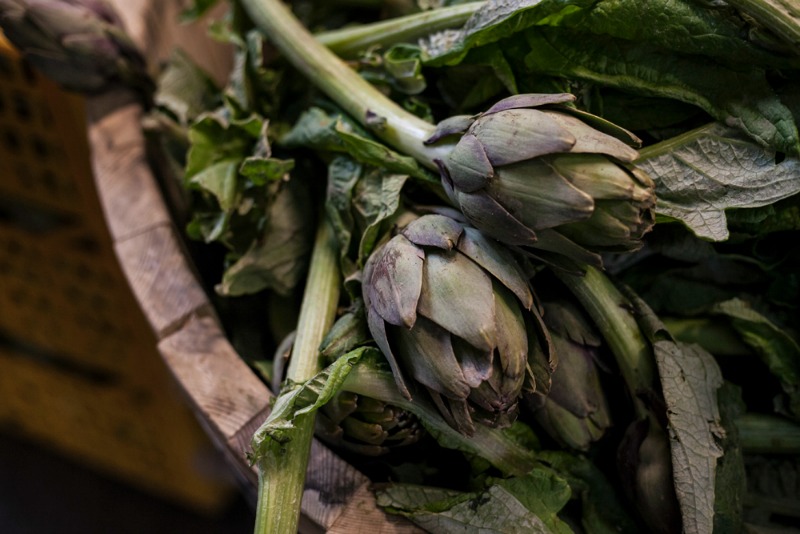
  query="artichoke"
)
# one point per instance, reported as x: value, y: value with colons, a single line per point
x: 365, y: 425
x: 80, y: 44
x: 453, y: 309
x: 574, y: 412
x: 536, y: 173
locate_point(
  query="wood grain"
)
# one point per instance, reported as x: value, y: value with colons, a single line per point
x: 227, y: 397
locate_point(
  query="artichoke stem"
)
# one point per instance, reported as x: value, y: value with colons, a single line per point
x: 351, y: 40
x: 387, y: 120
x: 281, y: 479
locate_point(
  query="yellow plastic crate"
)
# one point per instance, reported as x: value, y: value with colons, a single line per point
x: 80, y: 367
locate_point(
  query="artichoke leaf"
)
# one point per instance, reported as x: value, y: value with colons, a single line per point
x: 457, y: 295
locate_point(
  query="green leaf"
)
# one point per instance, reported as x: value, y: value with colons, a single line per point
x: 704, y: 172
x: 779, y: 351
x: 690, y: 379
x: 377, y: 200
x: 737, y: 97
x: 295, y: 401
x: 527, y: 504
x: 377, y: 154
x: 219, y: 179
x: 315, y: 128
x: 215, y: 138
x: 403, y: 63
x: 684, y: 27
x: 278, y: 259
x: 262, y: 170
x: 184, y: 89
x: 497, y: 20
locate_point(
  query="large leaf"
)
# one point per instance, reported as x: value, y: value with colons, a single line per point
x: 689, y: 380
x: 739, y: 97
x: 499, y: 19
x: 704, y: 172
x: 686, y: 27
x: 527, y: 504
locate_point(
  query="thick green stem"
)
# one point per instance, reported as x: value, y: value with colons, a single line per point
x: 281, y: 476
x: 387, y: 120
x: 612, y: 313
x: 351, y: 40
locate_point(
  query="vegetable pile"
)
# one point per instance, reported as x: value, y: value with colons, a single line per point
x: 555, y: 236
x: 486, y: 213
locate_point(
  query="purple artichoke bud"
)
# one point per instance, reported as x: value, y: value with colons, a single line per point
x: 79, y: 44
x: 365, y: 425
x: 534, y: 172
x: 449, y: 308
x: 574, y: 412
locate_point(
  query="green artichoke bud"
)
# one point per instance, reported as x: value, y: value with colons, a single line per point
x: 574, y: 412
x: 80, y: 44
x: 534, y: 172
x: 449, y: 307
x: 365, y: 425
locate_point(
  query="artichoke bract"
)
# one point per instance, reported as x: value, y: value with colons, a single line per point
x: 534, y: 172
x: 80, y: 44
x: 449, y: 307
x: 574, y: 412
x: 365, y: 425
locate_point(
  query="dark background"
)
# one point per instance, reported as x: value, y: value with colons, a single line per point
x: 42, y: 492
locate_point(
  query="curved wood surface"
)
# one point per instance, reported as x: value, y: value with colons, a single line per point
x: 228, y: 398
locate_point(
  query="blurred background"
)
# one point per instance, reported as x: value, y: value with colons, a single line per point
x: 95, y: 435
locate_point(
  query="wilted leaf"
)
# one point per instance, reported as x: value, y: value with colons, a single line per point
x: 701, y: 174
x: 690, y: 379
